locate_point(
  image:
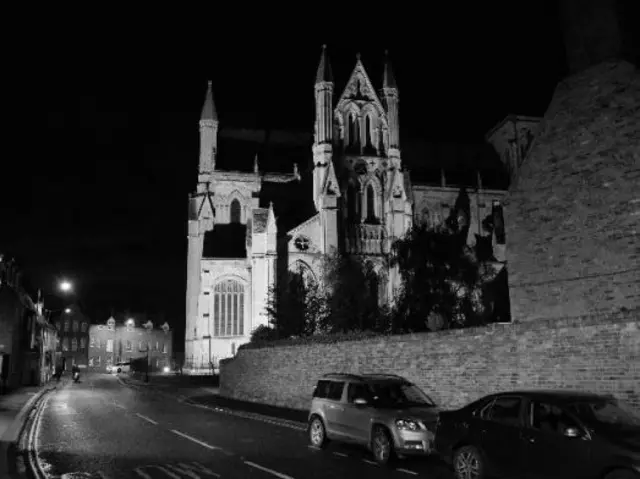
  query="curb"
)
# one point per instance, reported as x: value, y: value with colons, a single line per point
x: 10, y: 438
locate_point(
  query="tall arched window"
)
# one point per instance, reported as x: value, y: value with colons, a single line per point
x: 369, y: 141
x: 235, y: 211
x: 354, y: 134
x: 228, y: 309
x: 371, y: 203
x: 352, y: 203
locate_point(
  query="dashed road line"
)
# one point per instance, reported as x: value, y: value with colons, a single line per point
x: 198, y: 441
x: 119, y: 406
x: 266, y: 469
x: 407, y: 471
x: 369, y: 462
x: 341, y: 454
x: 148, y: 419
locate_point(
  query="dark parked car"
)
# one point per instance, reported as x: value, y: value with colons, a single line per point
x: 542, y: 434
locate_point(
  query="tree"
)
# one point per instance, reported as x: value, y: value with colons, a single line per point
x: 445, y: 283
x: 296, y: 307
x: 351, y: 300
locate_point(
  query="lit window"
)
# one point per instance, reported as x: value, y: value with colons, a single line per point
x: 75, y: 326
x: 74, y: 344
x: 65, y: 344
x: 228, y: 309
x: 109, y: 345
x: 83, y: 344
x: 66, y: 325
x: 84, y: 327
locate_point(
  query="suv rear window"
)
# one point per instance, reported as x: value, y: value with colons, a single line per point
x: 329, y: 390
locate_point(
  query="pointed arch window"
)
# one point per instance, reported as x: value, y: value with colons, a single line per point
x: 371, y: 203
x: 228, y: 309
x: 354, y: 133
x: 235, y: 211
x: 352, y: 203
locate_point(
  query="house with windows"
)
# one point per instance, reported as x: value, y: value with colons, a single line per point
x: 115, y: 342
x: 73, y: 337
x: 271, y: 202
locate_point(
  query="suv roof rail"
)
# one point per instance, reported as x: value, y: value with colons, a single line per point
x: 343, y: 375
x: 383, y: 375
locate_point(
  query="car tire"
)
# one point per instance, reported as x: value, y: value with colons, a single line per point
x: 119, y: 370
x: 468, y: 463
x: 382, y: 446
x: 622, y: 474
x: 317, y: 433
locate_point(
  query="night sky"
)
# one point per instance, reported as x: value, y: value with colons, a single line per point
x: 106, y: 125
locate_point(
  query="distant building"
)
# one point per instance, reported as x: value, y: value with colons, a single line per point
x: 73, y: 330
x: 26, y: 338
x: 112, y: 343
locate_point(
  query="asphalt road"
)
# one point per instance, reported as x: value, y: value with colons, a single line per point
x: 100, y: 428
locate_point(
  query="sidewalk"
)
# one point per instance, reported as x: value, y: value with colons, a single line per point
x: 210, y: 397
x: 15, y: 408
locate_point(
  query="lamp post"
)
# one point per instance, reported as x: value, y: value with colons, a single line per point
x: 63, y: 286
x: 148, y: 326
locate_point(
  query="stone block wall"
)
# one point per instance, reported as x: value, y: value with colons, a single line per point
x: 595, y: 353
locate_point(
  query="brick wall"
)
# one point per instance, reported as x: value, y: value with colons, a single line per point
x: 596, y: 353
x: 572, y: 217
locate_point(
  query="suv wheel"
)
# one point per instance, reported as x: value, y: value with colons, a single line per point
x: 382, y: 446
x: 317, y: 433
x: 468, y: 463
x: 119, y: 370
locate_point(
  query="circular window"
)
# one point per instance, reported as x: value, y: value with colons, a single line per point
x: 301, y: 243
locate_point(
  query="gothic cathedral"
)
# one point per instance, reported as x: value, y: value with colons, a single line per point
x: 357, y: 197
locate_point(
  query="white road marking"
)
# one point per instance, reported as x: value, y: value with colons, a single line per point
x: 119, y: 405
x: 197, y: 441
x: 143, y: 475
x: 341, y: 454
x: 369, y: 462
x: 147, y: 419
x: 314, y: 448
x: 166, y: 471
x: 407, y: 471
x: 270, y: 471
x: 186, y: 472
x: 199, y: 467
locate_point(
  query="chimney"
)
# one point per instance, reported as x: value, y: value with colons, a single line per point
x: 592, y: 32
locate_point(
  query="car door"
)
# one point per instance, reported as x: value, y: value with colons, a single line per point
x: 499, y: 434
x: 334, y: 407
x: 357, y: 418
x: 548, y: 451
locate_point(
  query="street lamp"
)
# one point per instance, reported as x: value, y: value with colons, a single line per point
x: 65, y: 286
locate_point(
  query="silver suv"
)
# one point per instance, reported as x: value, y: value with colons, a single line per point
x: 384, y: 412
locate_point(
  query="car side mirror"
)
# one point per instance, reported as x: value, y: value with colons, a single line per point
x: 572, y: 432
x: 360, y: 402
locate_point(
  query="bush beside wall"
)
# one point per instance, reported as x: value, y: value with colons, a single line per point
x: 594, y: 353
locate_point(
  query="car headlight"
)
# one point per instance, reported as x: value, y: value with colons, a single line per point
x: 407, y: 425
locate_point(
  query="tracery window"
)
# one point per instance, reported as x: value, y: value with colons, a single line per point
x: 228, y: 309
x: 235, y: 211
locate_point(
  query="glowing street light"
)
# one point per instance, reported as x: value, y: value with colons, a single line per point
x: 67, y: 310
x: 65, y: 286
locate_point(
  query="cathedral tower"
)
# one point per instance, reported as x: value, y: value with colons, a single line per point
x: 201, y: 214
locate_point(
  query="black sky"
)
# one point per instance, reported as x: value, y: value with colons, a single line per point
x: 106, y: 124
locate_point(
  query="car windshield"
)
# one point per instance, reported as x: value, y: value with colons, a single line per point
x: 606, y: 412
x: 396, y: 394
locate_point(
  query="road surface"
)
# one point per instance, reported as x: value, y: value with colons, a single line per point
x: 100, y: 428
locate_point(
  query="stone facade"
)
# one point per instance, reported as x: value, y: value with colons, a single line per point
x: 73, y: 332
x: 354, y: 193
x: 111, y: 343
x: 455, y: 367
x: 573, y: 215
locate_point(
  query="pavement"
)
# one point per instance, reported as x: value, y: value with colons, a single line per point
x: 102, y: 428
x: 15, y: 408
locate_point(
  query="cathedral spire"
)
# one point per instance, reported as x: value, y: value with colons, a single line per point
x: 209, y: 108
x: 389, y: 79
x: 324, y: 73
